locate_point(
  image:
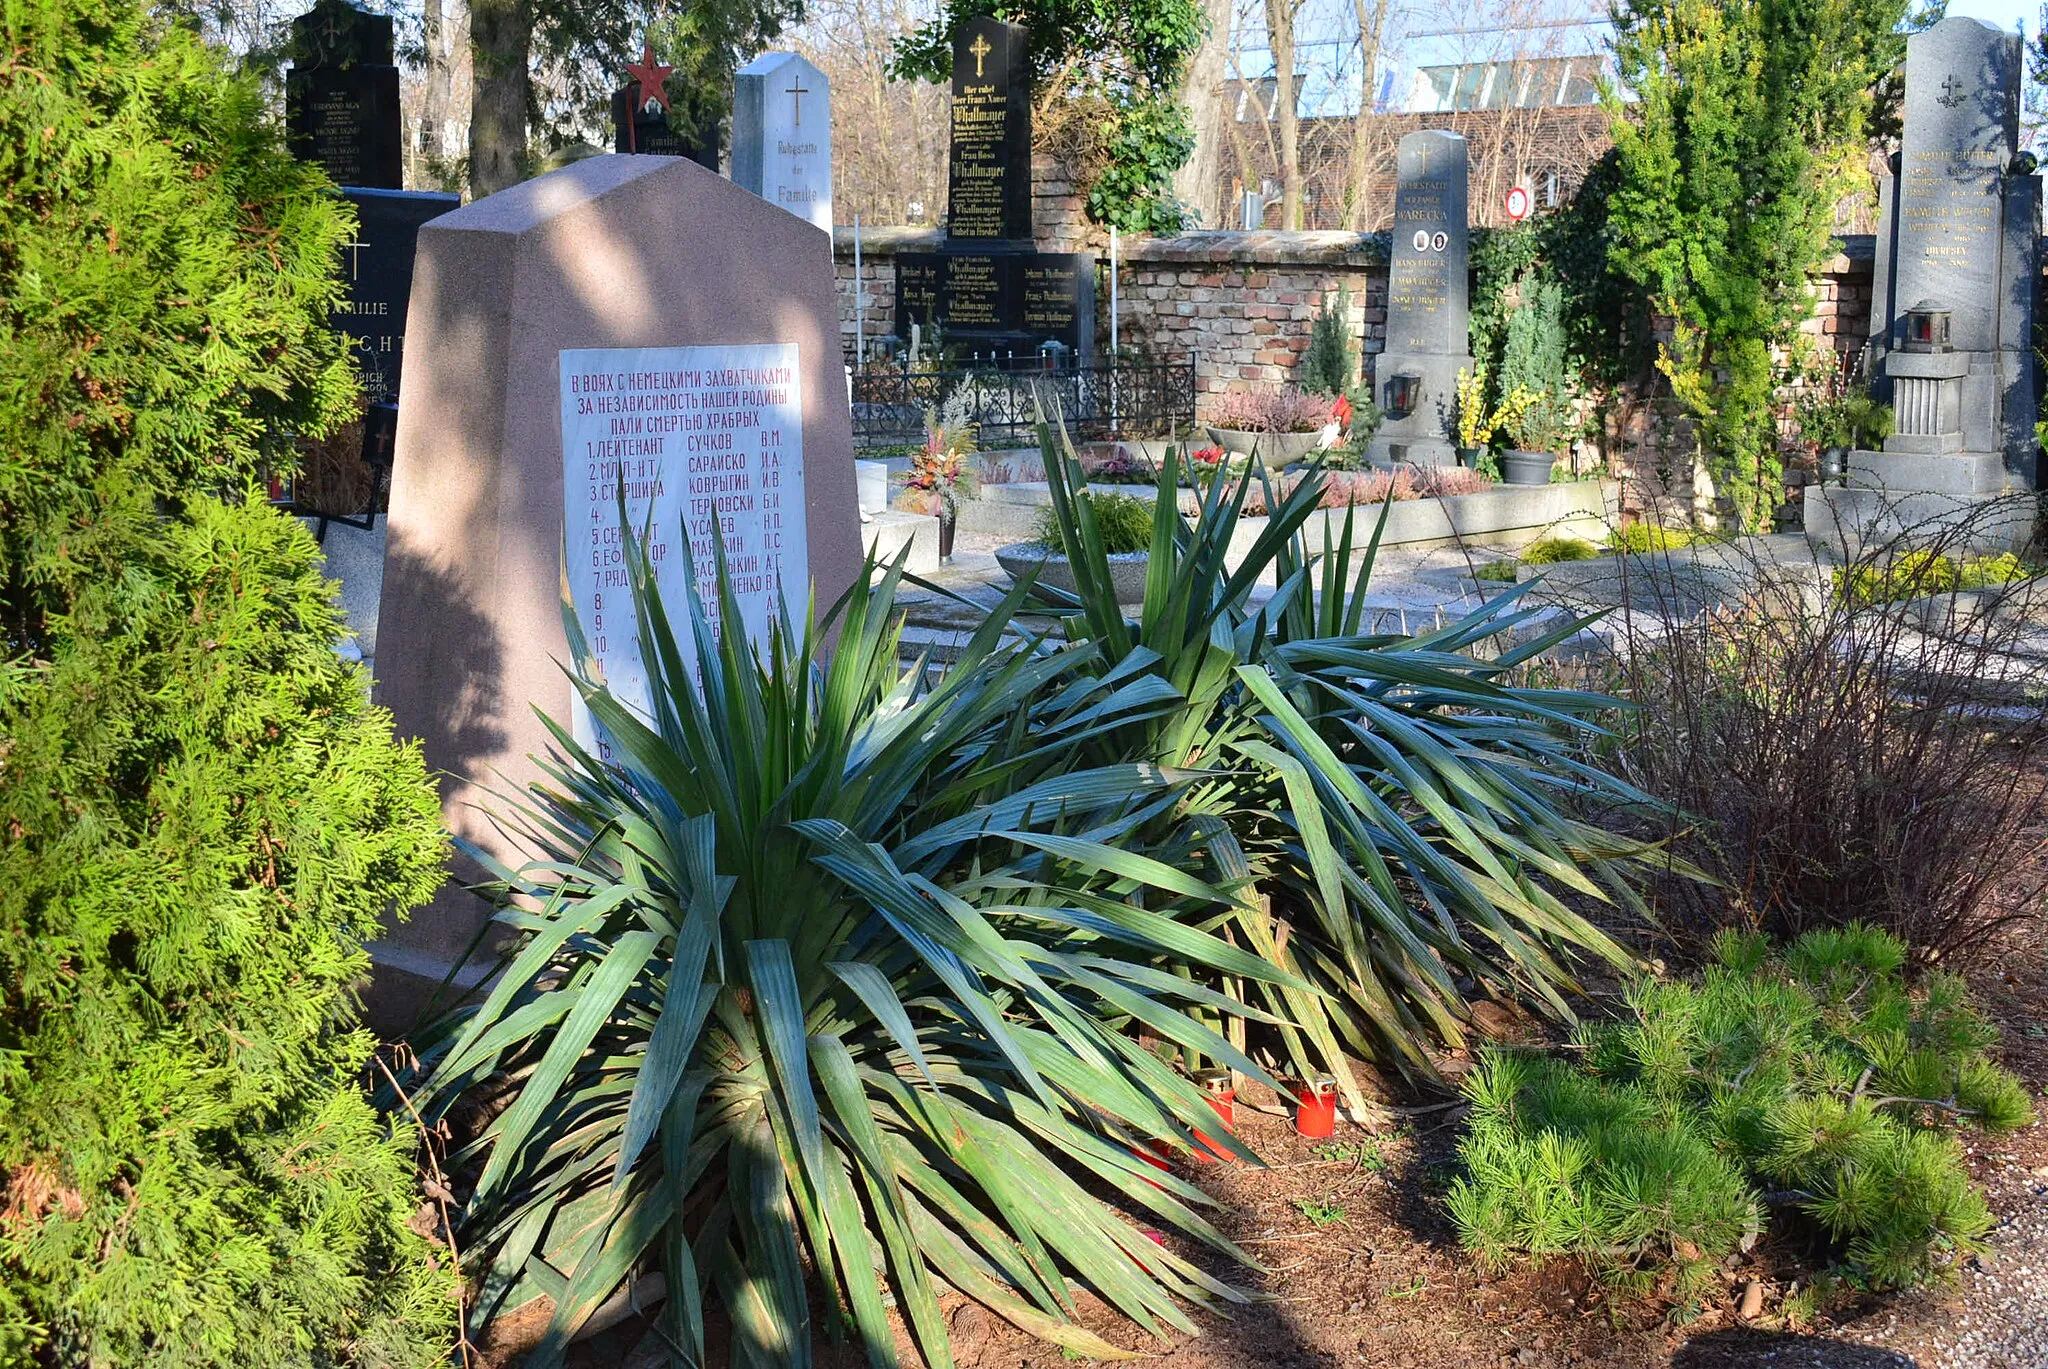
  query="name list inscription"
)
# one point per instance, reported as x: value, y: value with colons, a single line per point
x: 708, y: 443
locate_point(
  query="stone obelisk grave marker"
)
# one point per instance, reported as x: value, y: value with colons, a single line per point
x: 634, y: 319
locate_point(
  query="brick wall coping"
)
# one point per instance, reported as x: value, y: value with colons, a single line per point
x: 1265, y: 247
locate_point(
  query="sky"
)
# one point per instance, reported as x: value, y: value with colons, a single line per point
x: 2004, y: 13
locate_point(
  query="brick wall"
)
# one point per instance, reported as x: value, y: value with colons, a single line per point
x: 1243, y: 303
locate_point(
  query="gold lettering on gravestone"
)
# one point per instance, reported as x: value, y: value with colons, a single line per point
x: 974, y: 294
x: 980, y: 120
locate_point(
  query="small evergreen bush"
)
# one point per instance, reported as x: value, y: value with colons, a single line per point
x: 1327, y: 366
x: 201, y: 817
x: 1809, y: 1082
x: 1550, y: 550
x: 1124, y: 521
x: 1641, y: 538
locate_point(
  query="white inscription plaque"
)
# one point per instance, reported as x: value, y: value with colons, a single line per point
x: 710, y: 439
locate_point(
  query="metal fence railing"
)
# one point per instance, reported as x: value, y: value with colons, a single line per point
x: 1124, y: 399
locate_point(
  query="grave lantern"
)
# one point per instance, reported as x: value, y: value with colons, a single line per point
x: 1927, y: 328
x: 1404, y: 394
x: 1051, y: 355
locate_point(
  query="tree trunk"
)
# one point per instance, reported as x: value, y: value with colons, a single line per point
x: 1280, y: 35
x: 1198, y: 183
x: 500, y: 42
x: 1372, y: 23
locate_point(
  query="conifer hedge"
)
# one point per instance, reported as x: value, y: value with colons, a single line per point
x: 201, y: 817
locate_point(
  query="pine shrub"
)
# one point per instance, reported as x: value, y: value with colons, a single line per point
x: 201, y: 817
x: 1810, y: 1083
x: 1327, y: 366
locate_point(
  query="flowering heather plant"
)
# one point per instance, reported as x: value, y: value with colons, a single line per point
x: 1275, y: 411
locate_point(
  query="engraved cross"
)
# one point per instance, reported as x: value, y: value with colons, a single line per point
x: 980, y: 48
x: 1952, y: 92
x: 796, y: 92
x: 354, y: 257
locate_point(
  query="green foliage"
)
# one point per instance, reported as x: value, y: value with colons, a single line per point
x: 1118, y: 69
x: 1329, y: 366
x: 1385, y: 802
x: 1549, y: 551
x: 205, y: 818
x: 1535, y: 371
x: 1747, y: 125
x: 1125, y: 522
x: 1810, y: 1081
x: 207, y: 822
x: 1917, y: 574
x: 1499, y: 572
x: 825, y: 978
x: 1641, y: 538
x: 706, y: 42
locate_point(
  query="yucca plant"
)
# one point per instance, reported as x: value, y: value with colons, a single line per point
x: 1392, y: 805
x: 827, y: 980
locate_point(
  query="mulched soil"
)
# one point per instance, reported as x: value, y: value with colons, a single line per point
x: 1362, y: 1266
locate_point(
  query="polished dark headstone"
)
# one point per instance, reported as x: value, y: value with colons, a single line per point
x: 377, y: 266
x: 341, y: 96
x: 988, y: 172
x: 999, y: 303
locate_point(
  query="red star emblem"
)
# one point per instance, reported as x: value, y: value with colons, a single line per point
x: 651, y: 75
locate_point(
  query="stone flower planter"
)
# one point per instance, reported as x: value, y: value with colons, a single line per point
x: 1275, y: 449
x: 1526, y: 468
x: 1126, y: 569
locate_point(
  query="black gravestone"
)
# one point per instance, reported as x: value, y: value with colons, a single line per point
x: 377, y: 267
x: 988, y: 173
x: 641, y: 118
x: 999, y: 304
x: 986, y: 292
x: 341, y: 95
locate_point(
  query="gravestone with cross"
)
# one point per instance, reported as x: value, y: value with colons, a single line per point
x: 1953, y: 296
x: 1428, y: 340
x: 341, y: 95
x: 645, y: 121
x: 782, y: 135
x: 626, y: 320
x: 987, y: 292
x: 341, y: 101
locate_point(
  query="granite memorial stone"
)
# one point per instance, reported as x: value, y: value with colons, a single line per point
x: 630, y: 319
x: 782, y: 135
x: 341, y: 96
x: 1428, y: 281
x: 1953, y: 296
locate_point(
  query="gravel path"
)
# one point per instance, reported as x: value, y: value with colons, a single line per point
x: 1996, y: 1315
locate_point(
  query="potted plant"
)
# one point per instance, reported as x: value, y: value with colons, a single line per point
x: 1125, y: 525
x: 1540, y: 426
x: 940, y: 473
x: 1281, y: 426
x: 1835, y: 416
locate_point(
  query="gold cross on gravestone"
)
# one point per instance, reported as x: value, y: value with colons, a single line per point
x: 980, y: 48
x: 796, y: 92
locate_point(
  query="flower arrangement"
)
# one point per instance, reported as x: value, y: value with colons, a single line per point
x: 940, y: 470
x: 1476, y: 426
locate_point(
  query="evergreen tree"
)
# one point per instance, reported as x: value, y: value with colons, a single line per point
x: 1328, y: 366
x: 201, y: 817
x: 1748, y: 123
